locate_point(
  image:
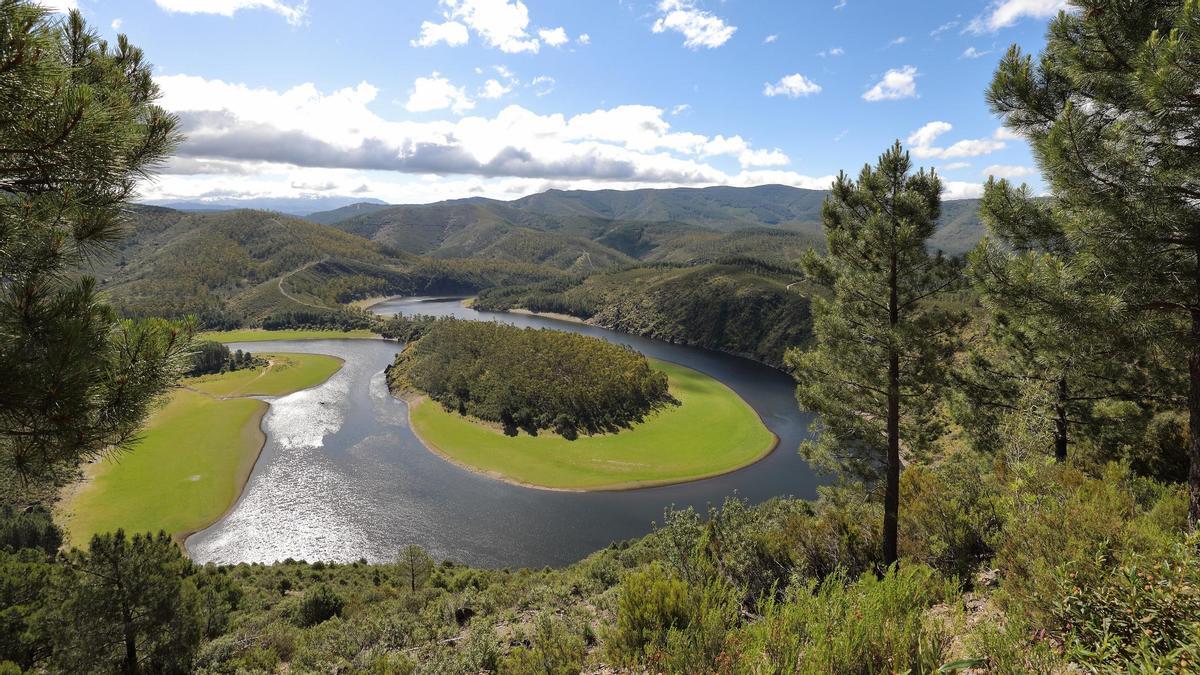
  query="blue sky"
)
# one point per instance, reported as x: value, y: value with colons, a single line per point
x: 422, y: 100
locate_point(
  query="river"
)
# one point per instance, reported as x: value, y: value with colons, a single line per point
x: 342, y: 477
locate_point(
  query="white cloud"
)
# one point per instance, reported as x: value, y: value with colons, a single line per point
x: 770, y: 38
x: 921, y: 144
x: 584, y: 39
x: 234, y: 131
x: 59, y: 6
x: 555, y: 37
x: 680, y: 109
x: 956, y: 189
x: 840, y: 4
x: 493, y: 89
x: 293, y: 12
x: 898, y: 41
x: 544, y: 85
x: 949, y: 25
x: 1009, y: 171
x: 502, y: 24
x: 453, y: 33
x: 972, y: 53
x: 897, y: 83
x: 1004, y: 13
x: 698, y: 27
x: 955, y: 166
x: 792, y: 86
x: 437, y: 93
x: 116, y: 24
x: 835, y: 51
x: 1003, y: 134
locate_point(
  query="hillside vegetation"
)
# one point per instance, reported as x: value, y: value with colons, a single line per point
x: 747, y: 310
x: 529, y: 379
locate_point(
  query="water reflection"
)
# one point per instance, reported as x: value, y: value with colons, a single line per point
x: 342, y: 477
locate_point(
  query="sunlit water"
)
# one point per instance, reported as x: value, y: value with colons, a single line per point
x: 342, y: 477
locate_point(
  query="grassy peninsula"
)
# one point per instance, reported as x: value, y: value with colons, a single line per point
x: 194, y: 456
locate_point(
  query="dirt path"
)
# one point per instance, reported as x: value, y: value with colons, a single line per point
x: 287, y: 276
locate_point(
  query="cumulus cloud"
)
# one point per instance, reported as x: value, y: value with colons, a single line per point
x: 896, y: 84
x: 501, y: 24
x: 699, y: 28
x: 956, y: 189
x: 792, y: 86
x: 437, y: 93
x: 1009, y: 171
x: 337, y: 131
x: 494, y: 89
x: 836, y: 51
x: 921, y: 143
x: 116, y: 24
x: 555, y: 37
x: 972, y: 53
x: 584, y: 39
x: 452, y: 33
x: 1005, y: 13
x: 293, y: 12
x: 770, y: 38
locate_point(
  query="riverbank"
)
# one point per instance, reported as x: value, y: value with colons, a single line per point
x: 263, y: 335
x: 195, y: 455
x: 711, y: 433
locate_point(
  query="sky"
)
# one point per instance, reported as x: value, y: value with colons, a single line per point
x: 415, y: 101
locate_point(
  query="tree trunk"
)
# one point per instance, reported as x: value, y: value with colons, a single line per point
x: 891, y: 496
x: 1060, y: 421
x: 1194, y: 425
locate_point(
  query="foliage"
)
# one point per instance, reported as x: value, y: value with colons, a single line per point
x: 406, y: 327
x: 872, y: 625
x: 320, y: 603
x: 33, y: 529
x: 1148, y: 609
x: 416, y: 565
x: 80, y: 128
x: 558, y: 649
x: 881, y: 341
x: 126, y: 604
x: 1109, y: 111
x: 530, y: 379
x: 211, y: 357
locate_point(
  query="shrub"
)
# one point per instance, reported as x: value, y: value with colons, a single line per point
x: 649, y: 605
x: 1147, y: 611
x: 558, y: 649
x: 951, y: 513
x: 872, y: 625
x: 320, y: 604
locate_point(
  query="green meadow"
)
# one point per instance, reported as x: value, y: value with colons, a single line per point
x: 712, y: 431
x: 194, y: 456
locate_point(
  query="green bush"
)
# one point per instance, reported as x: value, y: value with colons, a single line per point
x: 872, y: 625
x: 1146, y: 610
x: 649, y: 605
x: 1059, y: 518
x: 951, y: 512
x: 319, y: 604
x: 557, y: 649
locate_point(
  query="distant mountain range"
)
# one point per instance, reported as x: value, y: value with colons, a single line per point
x: 678, y: 224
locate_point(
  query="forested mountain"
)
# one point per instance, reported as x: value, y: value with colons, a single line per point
x: 467, y: 226
x: 243, y: 266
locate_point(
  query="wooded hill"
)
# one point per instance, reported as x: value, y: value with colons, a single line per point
x: 644, y: 224
x: 243, y: 267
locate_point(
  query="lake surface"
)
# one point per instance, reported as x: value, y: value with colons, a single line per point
x: 342, y: 476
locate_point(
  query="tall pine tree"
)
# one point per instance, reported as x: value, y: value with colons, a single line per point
x: 78, y: 130
x: 882, y: 343
x: 1042, y: 351
x: 1110, y: 110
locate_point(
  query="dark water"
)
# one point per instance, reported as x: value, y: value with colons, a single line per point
x: 342, y: 477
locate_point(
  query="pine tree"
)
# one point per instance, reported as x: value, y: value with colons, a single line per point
x: 78, y: 131
x: 882, y: 343
x: 415, y: 566
x: 1043, y: 351
x: 125, y: 605
x: 1110, y: 110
